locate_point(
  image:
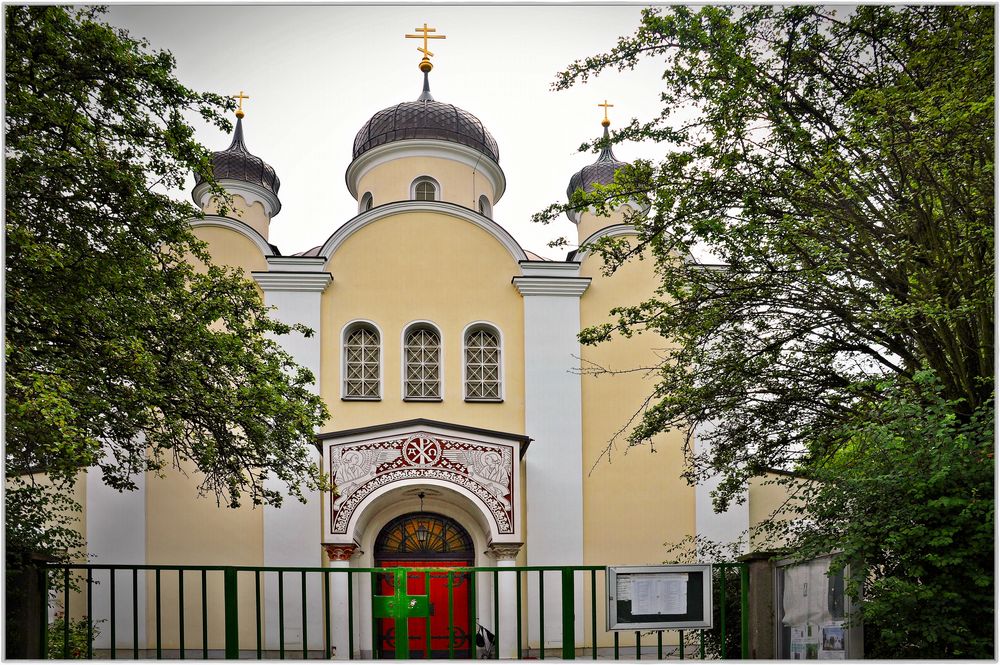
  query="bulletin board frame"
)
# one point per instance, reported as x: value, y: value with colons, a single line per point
x: 696, y: 590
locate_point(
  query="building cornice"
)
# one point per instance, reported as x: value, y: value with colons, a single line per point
x: 236, y: 225
x: 293, y: 281
x: 250, y: 192
x: 296, y: 263
x: 551, y: 286
x: 426, y: 148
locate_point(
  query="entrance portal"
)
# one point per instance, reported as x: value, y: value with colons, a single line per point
x: 427, y: 540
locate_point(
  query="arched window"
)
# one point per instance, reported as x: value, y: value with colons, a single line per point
x: 484, y: 206
x: 423, y: 534
x: 482, y: 365
x: 425, y: 189
x: 362, y: 371
x: 366, y: 202
x: 422, y: 359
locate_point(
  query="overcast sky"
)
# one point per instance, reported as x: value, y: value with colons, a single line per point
x: 316, y: 74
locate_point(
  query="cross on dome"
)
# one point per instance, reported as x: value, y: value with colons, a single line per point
x: 240, y: 97
x: 425, y: 63
x: 606, y: 122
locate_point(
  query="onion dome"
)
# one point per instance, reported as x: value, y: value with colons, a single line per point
x: 425, y: 118
x: 601, y: 172
x: 236, y: 163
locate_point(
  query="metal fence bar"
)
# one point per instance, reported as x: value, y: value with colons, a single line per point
x: 375, y: 645
x: 90, y: 615
x: 305, y: 621
x: 256, y: 599
x: 638, y: 646
x: 659, y: 645
x: 180, y: 608
x: 230, y: 591
x: 427, y: 619
x: 281, y: 614
x: 43, y: 584
x: 66, y: 614
x: 112, y: 592
x: 159, y: 622
x: 350, y: 615
x: 326, y: 613
x: 519, y: 615
x: 722, y: 613
x: 496, y: 615
x: 680, y: 641
x: 744, y: 611
x: 616, y: 645
x: 135, y: 614
x: 701, y: 643
x: 593, y: 612
x: 541, y: 614
x: 473, y: 617
x: 568, y: 615
x: 204, y: 613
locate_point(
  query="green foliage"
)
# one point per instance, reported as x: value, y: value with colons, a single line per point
x: 837, y: 164
x: 78, y: 637
x: 121, y: 356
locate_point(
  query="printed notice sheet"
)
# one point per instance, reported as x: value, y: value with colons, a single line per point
x: 624, y: 587
x: 663, y: 593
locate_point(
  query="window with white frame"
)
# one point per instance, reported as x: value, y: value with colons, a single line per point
x: 361, y: 363
x: 422, y: 357
x: 424, y: 189
x: 484, y: 206
x: 482, y: 365
x: 367, y: 201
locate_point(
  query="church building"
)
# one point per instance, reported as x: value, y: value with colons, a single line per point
x: 462, y: 430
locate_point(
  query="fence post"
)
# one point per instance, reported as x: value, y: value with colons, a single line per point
x: 232, y: 614
x: 568, y: 615
x: 744, y: 611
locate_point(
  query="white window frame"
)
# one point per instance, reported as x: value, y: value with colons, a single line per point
x: 366, y: 197
x: 494, y: 328
x: 488, y: 211
x: 421, y: 323
x: 348, y: 328
x: 438, y: 193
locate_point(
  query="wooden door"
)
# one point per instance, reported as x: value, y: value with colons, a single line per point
x: 439, y: 623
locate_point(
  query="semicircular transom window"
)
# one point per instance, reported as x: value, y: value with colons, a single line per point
x: 423, y: 533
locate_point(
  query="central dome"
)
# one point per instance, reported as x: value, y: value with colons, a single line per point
x: 425, y: 118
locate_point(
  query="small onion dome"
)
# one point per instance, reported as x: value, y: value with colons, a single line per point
x: 236, y: 163
x: 601, y: 172
x: 425, y: 118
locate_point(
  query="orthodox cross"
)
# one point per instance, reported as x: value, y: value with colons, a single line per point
x: 240, y: 97
x: 606, y: 106
x: 400, y: 606
x: 425, y: 35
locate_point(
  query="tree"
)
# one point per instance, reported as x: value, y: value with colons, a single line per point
x: 121, y: 356
x: 838, y: 165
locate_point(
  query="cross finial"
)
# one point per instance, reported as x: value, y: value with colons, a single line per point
x: 425, y: 64
x: 240, y: 97
x: 606, y: 122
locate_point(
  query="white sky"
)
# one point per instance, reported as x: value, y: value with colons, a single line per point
x: 316, y: 74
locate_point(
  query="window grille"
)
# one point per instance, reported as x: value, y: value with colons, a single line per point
x: 482, y: 365
x: 423, y: 364
x: 425, y: 191
x: 361, y: 369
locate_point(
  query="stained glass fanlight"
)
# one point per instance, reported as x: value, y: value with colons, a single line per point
x: 423, y: 533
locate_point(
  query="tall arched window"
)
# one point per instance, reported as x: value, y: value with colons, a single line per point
x: 362, y: 371
x: 425, y: 188
x: 422, y: 359
x: 366, y: 202
x: 484, y: 206
x: 482, y: 365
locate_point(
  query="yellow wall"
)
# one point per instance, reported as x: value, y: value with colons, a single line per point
x: 432, y: 267
x: 390, y: 182
x: 636, y: 502
x: 229, y: 248
x: 186, y: 529
x: 251, y: 214
x: 770, y: 500
x: 591, y: 223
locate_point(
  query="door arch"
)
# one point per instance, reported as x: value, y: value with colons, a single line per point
x: 428, y: 540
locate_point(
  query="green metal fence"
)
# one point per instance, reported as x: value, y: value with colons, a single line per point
x: 62, y: 582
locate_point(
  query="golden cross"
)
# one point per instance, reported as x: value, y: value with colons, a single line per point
x: 240, y: 97
x: 606, y: 106
x: 425, y: 35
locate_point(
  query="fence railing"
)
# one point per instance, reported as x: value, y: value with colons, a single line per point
x: 289, y: 612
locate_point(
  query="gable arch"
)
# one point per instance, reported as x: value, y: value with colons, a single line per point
x: 340, y: 236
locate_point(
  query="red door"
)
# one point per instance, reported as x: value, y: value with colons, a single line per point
x: 439, y: 625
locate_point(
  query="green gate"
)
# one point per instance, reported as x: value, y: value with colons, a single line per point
x: 225, y: 589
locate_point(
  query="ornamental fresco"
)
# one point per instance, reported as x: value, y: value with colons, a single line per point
x: 360, y: 468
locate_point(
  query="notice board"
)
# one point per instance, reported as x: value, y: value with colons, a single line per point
x: 654, y: 597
